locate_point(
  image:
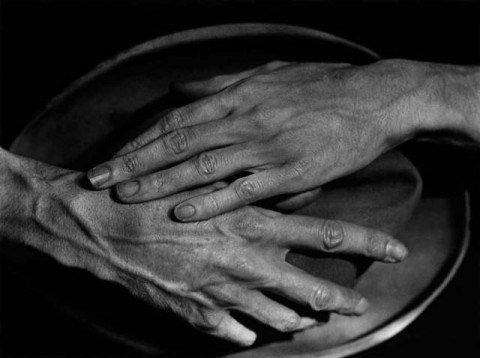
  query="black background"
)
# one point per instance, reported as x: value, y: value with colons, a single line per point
x: 44, y: 45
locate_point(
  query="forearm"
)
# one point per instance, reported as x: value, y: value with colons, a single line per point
x: 39, y: 208
x: 17, y: 197
x: 446, y: 103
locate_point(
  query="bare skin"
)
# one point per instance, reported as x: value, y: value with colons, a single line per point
x: 293, y: 126
x: 201, y: 270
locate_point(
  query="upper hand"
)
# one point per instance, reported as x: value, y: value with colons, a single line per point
x: 293, y: 127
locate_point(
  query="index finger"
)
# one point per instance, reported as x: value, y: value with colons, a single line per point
x: 173, y: 147
x: 201, y: 111
x: 172, y: 129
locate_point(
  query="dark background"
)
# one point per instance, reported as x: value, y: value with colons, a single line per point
x: 45, y: 45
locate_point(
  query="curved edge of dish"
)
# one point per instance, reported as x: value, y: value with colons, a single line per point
x: 398, y: 324
x: 178, y: 38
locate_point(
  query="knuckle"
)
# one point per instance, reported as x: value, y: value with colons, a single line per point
x: 130, y: 163
x: 206, y: 164
x: 171, y: 121
x: 221, y: 260
x: 247, y: 90
x: 247, y: 190
x: 232, y: 96
x: 260, y: 116
x: 228, y: 297
x: 300, y: 168
x: 251, y: 226
x: 246, y: 267
x: 322, y: 298
x: 375, y: 246
x: 133, y: 145
x: 176, y: 142
x: 226, y: 102
x: 212, y: 204
x: 332, y: 233
x: 257, y: 226
x: 158, y: 182
x: 210, y: 321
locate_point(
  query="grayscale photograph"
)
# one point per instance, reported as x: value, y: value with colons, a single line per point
x: 239, y: 178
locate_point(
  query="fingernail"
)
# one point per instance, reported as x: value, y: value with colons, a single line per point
x: 128, y: 189
x: 184, y: 211
x: 362, y: 306
x: 220, y: 185
x: 99, y: 175
x: 396, y: 252
x: 306, y: 322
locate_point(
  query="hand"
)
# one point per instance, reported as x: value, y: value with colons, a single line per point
x: 292, y: 127
x: 201, y: 270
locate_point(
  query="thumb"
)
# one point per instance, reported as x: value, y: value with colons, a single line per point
x: 203, y: 88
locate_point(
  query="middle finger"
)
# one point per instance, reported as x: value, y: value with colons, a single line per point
x: 200, y: 170
x: 175, y: 146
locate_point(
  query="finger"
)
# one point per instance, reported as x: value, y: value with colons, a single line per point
x: 290, y: 203
x: 200, y: 170
x: 296, y: 231
x: 185, y: 195
x: 172, y: 147
x: 204, y: 110
x: 198, y: 89
x: 260, y: 307
x: 320, y: 295
x: 224, y: 326
x: 240, y: 193
x: 271, y: 313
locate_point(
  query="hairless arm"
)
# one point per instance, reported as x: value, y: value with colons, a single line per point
x: 453, y: 99
x: 201, y: 271
x: 293, y: 126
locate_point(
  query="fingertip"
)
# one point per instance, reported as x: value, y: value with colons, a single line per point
x: 247, y: 338
x: 307, y: 322
x: 361, y: 307
x: 240, y: 334
x: 396, y: 251
x: 236, y: 332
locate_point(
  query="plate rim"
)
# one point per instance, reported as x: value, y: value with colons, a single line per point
x: 377, y: 335
x: 215, y: 32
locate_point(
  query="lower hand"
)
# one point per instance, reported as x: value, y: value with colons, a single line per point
x: 201, y: 271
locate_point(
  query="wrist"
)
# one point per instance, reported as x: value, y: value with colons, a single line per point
x: 429, y: 98
x: 452, y: 102
x: 16, y: 193
x: 44, y: 207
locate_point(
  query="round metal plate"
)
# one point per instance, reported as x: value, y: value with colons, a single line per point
x: 437, y: 234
